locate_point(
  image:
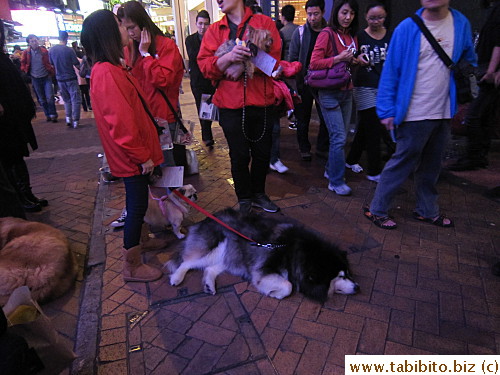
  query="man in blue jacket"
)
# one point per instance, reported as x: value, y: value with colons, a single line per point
x: 416, y: 100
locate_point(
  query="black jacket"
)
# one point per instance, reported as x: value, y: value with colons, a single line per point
x: 193, y: 43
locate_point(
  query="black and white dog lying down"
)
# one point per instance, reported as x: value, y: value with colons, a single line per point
x: 300, y: 260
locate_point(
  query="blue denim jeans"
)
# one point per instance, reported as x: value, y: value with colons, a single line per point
x: 70, y: 92
x: 420, y: 146
x: 136, y: 200
x: 336, y: 106
x: 45, y: 93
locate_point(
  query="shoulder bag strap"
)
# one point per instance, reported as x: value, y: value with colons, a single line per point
x: 334, y: 45
x: 176, y: 114
x: 433, y: 42
x: 159, y: 129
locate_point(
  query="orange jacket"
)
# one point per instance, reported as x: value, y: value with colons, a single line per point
x: 26, y: 61
x: 127, y: 133
x: 229, y: 94
x: 163, y: 71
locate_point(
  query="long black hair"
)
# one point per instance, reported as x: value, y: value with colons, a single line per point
x: 101, y: 38
x: 135, y: 12
x: 334, y: 17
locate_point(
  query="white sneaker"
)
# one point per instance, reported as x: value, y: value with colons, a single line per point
x: 340, y: 190
x: 75, y: 124
x: 356, y: 168
x: 373, y: 178
x: 278, y: 167
x: 120, y: 222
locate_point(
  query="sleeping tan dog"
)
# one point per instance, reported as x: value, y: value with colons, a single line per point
x: 170, y: 210
x: 36, y: 255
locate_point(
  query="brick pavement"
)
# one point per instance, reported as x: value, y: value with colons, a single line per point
x: 424, y: 290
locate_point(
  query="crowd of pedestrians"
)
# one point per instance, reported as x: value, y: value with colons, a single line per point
x: 401, y: 93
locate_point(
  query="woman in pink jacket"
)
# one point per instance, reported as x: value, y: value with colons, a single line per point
x: 127, y: 132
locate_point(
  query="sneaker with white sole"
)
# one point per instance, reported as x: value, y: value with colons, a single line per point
x: 340, y: 190
x: 356, y: 168
x: 263, y: 201
x: 278, y: 167
x: 120, y: 222
x: 373, y: 178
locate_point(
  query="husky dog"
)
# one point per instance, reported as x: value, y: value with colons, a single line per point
x: 297, y: 260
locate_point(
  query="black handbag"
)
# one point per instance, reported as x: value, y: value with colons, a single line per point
x: 462, y: 71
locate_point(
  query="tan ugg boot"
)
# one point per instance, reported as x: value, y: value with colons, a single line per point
x: 134, y: 269
x: 154, y: 244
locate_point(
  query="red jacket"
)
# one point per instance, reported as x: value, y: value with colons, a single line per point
x: 163, y: 71
x: 229, y: 94
x: 127, y: 133
x: 322, y: 55
x: 26, y: 61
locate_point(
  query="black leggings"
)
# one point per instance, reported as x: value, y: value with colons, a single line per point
x: 249, y: 160
x: 368, y: 136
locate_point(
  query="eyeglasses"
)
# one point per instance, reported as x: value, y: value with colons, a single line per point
x: 376, y: 18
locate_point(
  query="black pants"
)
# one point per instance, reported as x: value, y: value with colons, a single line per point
x: 303, y: 114
x: 249, y: 147
x: 84, y: 89
x: 479, y: 121
x: 206, y: 126
x: 368, y: 136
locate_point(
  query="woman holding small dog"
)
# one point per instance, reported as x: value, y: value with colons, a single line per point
x: 245, y: 104
x: 127, y: 133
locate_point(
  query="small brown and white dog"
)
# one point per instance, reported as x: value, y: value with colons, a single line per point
x: 259, y: 37
x: 36, y: 255
x: 170, y: 210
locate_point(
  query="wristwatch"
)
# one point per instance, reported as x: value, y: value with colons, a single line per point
x: 145, y: 54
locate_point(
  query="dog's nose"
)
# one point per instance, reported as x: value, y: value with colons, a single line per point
x: 356, y: 288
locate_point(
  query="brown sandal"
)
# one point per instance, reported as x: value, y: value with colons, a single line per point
x: 379, y: 221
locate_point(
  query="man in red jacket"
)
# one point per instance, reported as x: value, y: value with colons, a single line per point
x: 35, y: 62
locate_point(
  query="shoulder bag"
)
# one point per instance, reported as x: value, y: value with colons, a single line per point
x: 462, y: 71
x: 335, y: 77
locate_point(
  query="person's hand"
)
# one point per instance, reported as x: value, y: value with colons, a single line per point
x: 363, y: 59
x: 388, y: 123
x: 234, y: 71
x: 1, y: 110
x: 496, y: 79
x: 345, y: 55
x: 240, y: 53
x: 147, y: 167
x: 145, y: 41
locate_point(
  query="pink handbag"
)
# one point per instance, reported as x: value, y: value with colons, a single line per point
x: 336, y: 77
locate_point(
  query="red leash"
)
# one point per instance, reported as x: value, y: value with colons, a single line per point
x: 208, y: 214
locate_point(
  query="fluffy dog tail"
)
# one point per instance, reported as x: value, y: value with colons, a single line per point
x: 174, y: 263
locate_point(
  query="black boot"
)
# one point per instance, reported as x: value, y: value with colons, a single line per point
x: 30, y: 206
x: 23, y: 182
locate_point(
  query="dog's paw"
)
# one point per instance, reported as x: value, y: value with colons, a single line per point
x: 176, y: 279
x: 180, y: 235
x: 209, y: 289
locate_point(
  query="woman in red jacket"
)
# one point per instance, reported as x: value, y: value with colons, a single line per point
x: 158, y: 66
x: 245, y: 105
x: 336, y: 104
x: 127, y: 133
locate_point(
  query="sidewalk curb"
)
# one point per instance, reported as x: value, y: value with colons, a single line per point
x: 86, y: 344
